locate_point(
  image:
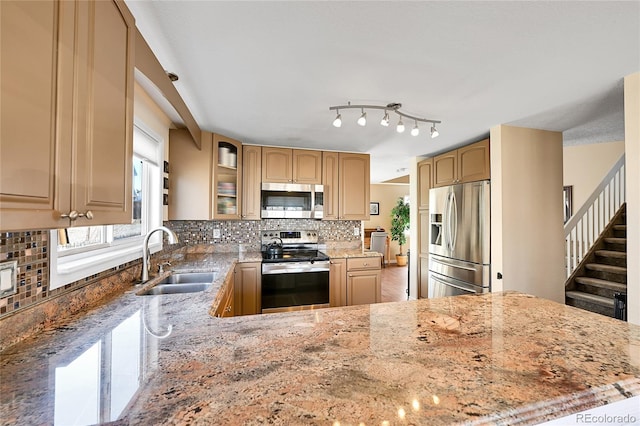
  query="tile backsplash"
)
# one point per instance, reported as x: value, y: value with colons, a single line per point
x: 31, y: 251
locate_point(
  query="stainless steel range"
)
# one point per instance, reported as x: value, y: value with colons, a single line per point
x: 295, y: 274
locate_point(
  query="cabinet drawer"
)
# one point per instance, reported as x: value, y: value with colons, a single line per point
x: 360, y: 263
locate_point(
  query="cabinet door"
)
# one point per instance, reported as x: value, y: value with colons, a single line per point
x: 363, y: 287
x: 337, y: 282
x: 103, y: 97
x: 445, y: 169
x: 251, y: 175
x: 277, y: 165
x: 226, y: 178
x: 189, y: 177
x: 331, y: 196
x: 423, y: 275
x: 247, y: 297
x: 307, y: 166
x: 354, y: 186
x: 424, y: 182
x: 474, y: 162
x: 34, y: 48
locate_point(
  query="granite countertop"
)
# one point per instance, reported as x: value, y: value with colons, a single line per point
x: 493, y: 358
x: 347, y: 253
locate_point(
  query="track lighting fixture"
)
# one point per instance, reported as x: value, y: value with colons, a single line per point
x: 395, y: 107
x: 415, y: 131
x: 362, y: 121
x: 434, y: 131
x: 338, y: 121
x: 385, y: 120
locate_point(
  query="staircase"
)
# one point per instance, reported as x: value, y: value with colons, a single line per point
x: 603, y: 271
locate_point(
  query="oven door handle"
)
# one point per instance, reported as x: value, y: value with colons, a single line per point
x: 294, y: 267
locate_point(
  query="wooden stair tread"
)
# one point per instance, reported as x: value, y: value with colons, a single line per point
x: 592, y: 298
x: 615, y: 240
x: 597, y: 282
x: 606, y: 268
x: 620, y: 227
x: 612, y: 253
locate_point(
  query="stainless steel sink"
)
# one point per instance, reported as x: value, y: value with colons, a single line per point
x: 184, y: 282
x: 189, y: 277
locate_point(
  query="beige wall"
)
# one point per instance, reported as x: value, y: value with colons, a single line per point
x: 527, y: 244
x: 584, y: 166
x: 387, y: 195
x: 632, y: 168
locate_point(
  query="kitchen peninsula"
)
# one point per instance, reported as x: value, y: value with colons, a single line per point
x: 485, y: 358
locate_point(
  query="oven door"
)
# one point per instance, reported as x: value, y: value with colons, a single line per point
x: 295, y: 286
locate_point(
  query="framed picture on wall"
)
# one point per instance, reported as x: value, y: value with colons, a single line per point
x: 567, y: 197
x: 374, y: 209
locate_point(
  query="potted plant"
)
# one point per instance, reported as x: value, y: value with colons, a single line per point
x: 399, y: 225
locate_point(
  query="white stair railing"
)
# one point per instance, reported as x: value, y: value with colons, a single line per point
x: 585, y: 226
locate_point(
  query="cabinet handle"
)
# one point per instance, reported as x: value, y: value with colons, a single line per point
x: 72, y: 215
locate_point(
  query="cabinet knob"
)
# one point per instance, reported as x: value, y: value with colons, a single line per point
x: 227, y: 309
x: 72, y: 215
x: 88, y: 214
x: 365, y: 264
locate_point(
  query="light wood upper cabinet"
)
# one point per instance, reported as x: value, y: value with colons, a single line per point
x: 227, y: 178
x: 345, y: 180
x: 425, y: 177
x: 474, y: 162
x: 251, y: 175
x: 307, y: 166
x: 330, y: 183
x: 204, y: 184
x: 284, y: 165
x: 467, y: 164
x: 354, y: 185
x: 247, y: 296
x: 67, y: 113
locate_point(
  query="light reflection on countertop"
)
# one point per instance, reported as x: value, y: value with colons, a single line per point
x: 493, y: 358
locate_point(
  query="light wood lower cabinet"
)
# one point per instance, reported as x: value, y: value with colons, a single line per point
x: 338, y: 282
x: 67, y: 113
x: 247, y: 286
x: 363, y: 281
x: 226, y: 307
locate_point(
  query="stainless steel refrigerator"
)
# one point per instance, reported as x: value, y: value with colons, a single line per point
x: 459, y: 239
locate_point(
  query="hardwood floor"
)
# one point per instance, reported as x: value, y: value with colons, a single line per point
x: 394, y: 283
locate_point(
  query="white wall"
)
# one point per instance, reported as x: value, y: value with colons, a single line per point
x: 147, y: 112
x: 387, y: 195
x: 527, y: 244
x: 584, y: 166
x: 632, y: 178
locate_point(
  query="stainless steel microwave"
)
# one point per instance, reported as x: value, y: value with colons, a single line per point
x: 291, y: 201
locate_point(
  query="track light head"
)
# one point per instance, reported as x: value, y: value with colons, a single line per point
x: 400, y: 126
x: 434, y: 131
x: 338, y: 121
x: 415, y: 131
x: 362, y: 121
x: 385, y: 120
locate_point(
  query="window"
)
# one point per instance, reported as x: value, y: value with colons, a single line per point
x: 85, y: 251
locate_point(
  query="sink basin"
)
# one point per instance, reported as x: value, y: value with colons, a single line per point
x: 183, y: 282
x: 175, y: 289
x: 189, y: 277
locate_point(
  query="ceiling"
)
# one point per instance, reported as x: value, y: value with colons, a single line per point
x: 266, y: 72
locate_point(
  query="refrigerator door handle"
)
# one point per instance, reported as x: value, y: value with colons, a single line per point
x: 466, y: 268
x: 446, y: 226
x: 454, y: 221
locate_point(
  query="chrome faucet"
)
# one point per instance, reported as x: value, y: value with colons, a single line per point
x: 173, y: 239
